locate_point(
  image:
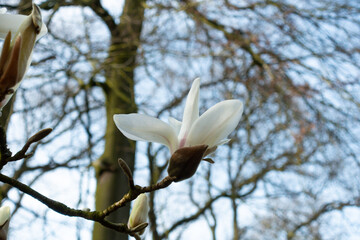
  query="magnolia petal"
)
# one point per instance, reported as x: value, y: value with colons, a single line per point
x: 141, y: 127
x: 175, y: 124
x: 191, y: 111
x: 215, y: 124
x: 12, y: 22
x: 4, y: 214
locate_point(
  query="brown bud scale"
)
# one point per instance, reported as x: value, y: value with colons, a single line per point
x: 185, y: 161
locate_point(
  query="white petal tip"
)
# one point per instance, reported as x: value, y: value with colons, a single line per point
x: 236, y: 104
x: 196, y: 83
x: 116, y: 117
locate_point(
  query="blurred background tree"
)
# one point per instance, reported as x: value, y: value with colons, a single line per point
x: 292, y: 168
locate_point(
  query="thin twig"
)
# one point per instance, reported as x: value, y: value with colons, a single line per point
x: 35, y: 138
x: 127, y: 172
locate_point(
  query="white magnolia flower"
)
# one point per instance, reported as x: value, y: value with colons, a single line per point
x: 20, y: 33
x: 139, y: 213
x: 210, y: 129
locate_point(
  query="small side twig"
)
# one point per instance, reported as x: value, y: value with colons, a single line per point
x: 35, y: 138
x: 162, y: 184
x: 127, y: 172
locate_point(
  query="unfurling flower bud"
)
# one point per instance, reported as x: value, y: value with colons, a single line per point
x: 4, y: 222
x: 139, y: 214
x: 185, y: 161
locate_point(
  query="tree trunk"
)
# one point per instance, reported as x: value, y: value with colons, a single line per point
x: 111, y: 182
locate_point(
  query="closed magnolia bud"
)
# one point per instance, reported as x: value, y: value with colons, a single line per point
x: 139, y: 213
x: 4, y: 222
x: 185, y: 161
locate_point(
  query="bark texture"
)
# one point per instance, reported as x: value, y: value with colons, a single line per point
x: 111, y: 182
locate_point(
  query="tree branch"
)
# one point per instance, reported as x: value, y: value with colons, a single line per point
x: 97, y: 216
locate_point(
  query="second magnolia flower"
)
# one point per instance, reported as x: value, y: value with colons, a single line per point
x: 20, y: 34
